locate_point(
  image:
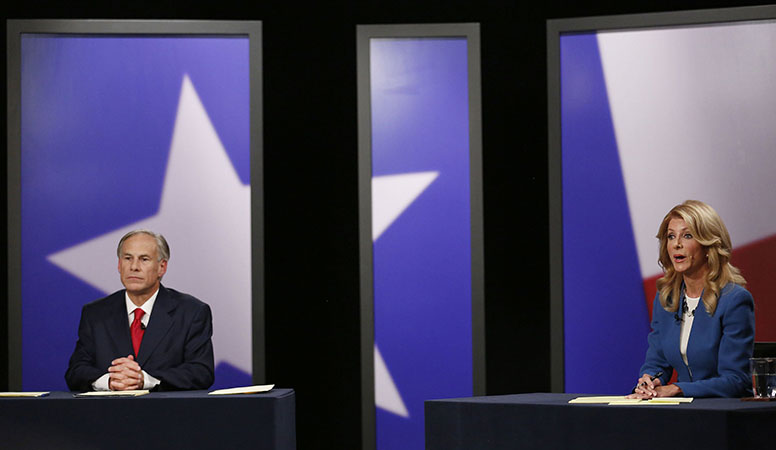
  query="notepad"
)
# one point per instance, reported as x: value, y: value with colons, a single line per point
x: 646, y: 403
x: 623, y: 400
x: 243, y: 390
x: 135, y: 393
x: 598, y: 399
x: 671, y: 400
x: 24, y: 394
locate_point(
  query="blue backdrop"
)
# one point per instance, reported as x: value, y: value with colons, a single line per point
x: 98, y: 114
x: 422, y: 261
x: 605, y: 318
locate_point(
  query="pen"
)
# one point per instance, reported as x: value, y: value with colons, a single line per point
x: 652, y: 378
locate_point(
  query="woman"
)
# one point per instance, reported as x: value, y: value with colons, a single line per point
x: 703, y: 318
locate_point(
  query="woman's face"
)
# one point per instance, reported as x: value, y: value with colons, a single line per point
x: 687, y: 255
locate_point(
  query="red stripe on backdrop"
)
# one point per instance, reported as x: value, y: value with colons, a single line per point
x: 759, y: 268
x: 650, y: 289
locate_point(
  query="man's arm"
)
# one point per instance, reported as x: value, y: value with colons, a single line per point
x: 81, y: 370
x: 196, y: 371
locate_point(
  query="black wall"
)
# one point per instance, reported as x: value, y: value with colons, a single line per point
x: 311, y: 198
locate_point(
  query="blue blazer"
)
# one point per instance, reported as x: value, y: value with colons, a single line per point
x: 718, y: 350
x: 176, y: 346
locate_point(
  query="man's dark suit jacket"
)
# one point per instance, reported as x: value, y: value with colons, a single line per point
x: 176, y: 346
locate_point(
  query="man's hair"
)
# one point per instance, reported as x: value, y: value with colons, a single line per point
x: 162, y: 249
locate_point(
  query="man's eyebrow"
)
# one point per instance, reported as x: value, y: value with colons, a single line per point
x: 139, y: 256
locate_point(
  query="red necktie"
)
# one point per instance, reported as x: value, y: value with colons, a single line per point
x: 137, y: 330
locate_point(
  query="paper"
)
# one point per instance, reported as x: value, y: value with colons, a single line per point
x: 23, y: 394
x: 113, y: 393
x: 646, y: 403
x: 599, y: 399
x: 671, y: 400
x: 243, y: 390
x: 623, y: 400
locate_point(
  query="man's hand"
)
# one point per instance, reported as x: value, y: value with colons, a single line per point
x: 125, y: 374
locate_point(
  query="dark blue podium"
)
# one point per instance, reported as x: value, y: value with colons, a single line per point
x: 548, y: 421
x: 159, y: 420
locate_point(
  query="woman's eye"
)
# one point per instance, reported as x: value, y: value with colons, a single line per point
x: 688, y: 236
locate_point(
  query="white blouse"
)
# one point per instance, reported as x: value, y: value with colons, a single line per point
x: 684, y: 334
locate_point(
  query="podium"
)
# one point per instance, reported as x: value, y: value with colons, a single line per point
x: 159, y: 420
x: 548, y: 421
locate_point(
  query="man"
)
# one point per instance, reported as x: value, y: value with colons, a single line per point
x: 145, y: 336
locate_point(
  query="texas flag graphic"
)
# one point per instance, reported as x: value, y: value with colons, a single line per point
x: 651, y: 118
x: 120, y: 133
x: 421, y: 231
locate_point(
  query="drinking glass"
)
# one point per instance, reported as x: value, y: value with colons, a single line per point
x: 763, y: 376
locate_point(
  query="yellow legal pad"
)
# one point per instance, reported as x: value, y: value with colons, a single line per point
x: 622, y: 400
x: 135, y: 393
x: 23, y: 394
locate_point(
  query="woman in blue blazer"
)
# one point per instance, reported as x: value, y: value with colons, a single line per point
x: 703, y: 318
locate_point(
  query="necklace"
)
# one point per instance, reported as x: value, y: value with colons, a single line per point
x: 686, y: 308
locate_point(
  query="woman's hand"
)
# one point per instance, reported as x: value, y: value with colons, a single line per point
x: 648, y: 388
x: 670, y: 390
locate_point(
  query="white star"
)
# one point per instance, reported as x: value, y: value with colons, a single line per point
x: 205, y: 215
x: 391, y: 196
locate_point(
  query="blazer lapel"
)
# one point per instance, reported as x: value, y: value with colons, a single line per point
x: 158, y: 325
x: 119, y: 326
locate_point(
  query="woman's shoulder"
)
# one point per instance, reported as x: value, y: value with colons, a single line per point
x: 733, y: 294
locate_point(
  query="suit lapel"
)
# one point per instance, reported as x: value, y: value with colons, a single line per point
x: 118, y: 329
x: 158, y: 325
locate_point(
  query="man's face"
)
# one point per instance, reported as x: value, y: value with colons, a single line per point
x: 139, y: 266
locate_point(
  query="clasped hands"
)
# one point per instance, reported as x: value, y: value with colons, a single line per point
x: 125, y: 374
x: 648, y: 387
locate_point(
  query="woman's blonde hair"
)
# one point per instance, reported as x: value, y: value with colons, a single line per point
x: 708, y: 229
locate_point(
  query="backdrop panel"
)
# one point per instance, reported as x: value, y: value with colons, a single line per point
x: 421, y: 221
x: 650, y: 117
x: 125, y: 131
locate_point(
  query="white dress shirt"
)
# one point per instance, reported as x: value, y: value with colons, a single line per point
x: 149, y: 381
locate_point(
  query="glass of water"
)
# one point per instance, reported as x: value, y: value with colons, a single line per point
x: 763, y: 376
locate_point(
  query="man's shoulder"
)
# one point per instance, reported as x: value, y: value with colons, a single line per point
x: 182, y: 298
x: 107, y: 301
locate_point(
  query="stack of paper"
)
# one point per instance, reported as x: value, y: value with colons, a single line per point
x: 243, y: 390
x: 623, y: 400
x: 136, y: 393
x: 23, y: 394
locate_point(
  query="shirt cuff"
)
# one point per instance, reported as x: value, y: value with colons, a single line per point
x: 101, y: 384
x: 149, y: 381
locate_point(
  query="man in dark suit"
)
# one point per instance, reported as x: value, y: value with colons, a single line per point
x: 145, y: 336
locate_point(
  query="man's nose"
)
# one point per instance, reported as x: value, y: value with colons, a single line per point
x: 134, y: 265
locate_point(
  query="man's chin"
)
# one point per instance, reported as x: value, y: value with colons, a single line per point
x: 136, y: 289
